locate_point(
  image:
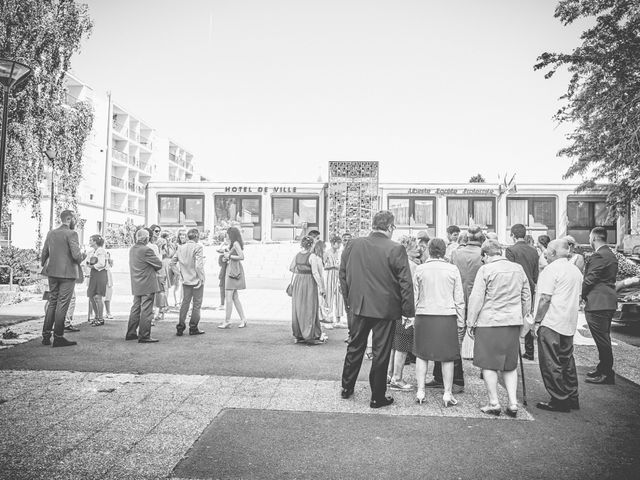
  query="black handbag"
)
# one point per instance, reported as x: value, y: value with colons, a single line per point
x: 289, y: 288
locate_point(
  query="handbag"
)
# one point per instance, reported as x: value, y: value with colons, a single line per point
x: 233, y: 269
x: 289, y: 288
x: 527, y: 324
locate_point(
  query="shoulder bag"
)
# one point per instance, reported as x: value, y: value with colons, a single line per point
x: 233, y: 268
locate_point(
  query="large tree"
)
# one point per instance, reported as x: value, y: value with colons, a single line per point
x: 602, y: 103
x: 44, y: 34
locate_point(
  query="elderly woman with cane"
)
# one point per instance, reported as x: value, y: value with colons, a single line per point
x: 498, y: 303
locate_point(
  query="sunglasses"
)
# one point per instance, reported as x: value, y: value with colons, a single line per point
x: 156, y: 231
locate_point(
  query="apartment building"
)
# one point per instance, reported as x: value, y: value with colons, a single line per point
x: 122, y: 155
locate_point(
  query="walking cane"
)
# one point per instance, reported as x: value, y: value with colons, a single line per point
x: 524, y: 388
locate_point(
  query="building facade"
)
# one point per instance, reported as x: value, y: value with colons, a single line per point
x: 122, y: 155
x: 283, y: 212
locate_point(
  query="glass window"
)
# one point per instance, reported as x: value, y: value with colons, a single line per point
x: 177, y: 209
x: 193, y: 209
x: 238, y: 209
x: 293, y: 211
x: 412, y: 211
x: 465, y: 211
x: 400, y: 209
x: 535, y: 213
x: 250, y: 210
x: 517, y: 212
x: 584, y: 214
x: 169, y: 210
x: 282, y: 211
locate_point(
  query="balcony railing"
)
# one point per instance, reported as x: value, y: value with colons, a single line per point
x: 145, y: 167
x: 172, y: 157
x: 135, y: 136
x: 117, y: 182
x: 118, y: 155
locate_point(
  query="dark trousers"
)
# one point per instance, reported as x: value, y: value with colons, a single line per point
x: 599, y: 322
x: 382, y: 341
x: 222, y: 294
x: 458, y: 373
x: 189, y: 293
x: 557, y: 365
x: 528, y: 344
x: 60, y: 294
x: 141, y: 315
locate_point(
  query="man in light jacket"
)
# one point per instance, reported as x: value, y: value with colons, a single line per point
x: 190, y: 257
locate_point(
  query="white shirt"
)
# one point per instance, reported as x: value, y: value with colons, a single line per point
x: 563, y: 281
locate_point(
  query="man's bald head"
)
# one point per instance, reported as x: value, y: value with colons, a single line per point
x: 557, y: 249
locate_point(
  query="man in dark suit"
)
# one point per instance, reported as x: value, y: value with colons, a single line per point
x: 527, y: 257
x: 378, y: 289
x: 143, y: 265
x: 61, y: 257
x: 599, y: 293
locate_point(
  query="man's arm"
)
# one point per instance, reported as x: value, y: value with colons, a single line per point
x: 536, y: 269
x: 199, y: 256
x: 74, y: 246
x: 342, y: 274
x: 594, y: 269
x: 45, y: 252
x: 403, y: 274
x: 152, y: 259
x: 508, y: 253
x: 525, y: 294
x: 543, y: 307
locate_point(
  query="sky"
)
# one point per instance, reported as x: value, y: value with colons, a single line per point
x: 272, y: 90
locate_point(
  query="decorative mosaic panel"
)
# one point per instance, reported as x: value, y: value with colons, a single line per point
x: 353, y: 197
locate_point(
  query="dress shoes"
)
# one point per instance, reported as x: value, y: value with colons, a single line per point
x: 554, y: 407
x: 133, y: 336
x: 593, y: 374
x: 527, y: 356
x: 62, y: 342
x: 179, y: 332
x: 195, y: 331
x: 383, y: 402
x: 574, y: 404
x: 456, y: 389
x: 71, y: 328
x: 602, y: 379
x: 346, y: 393
x: 46, y: 340
x: 147, y: 340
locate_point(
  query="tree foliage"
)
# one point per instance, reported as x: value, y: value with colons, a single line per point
x: 44, y: 34
x: 602, y: 101
x: 477, y: 179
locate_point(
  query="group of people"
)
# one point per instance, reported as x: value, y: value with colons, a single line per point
x: 158, y: 263
x: 424, y: 295
x: 315, y: 288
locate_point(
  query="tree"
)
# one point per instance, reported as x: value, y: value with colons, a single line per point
x: 477, y: 179
x: 603, y: 97
x: 44, y: 34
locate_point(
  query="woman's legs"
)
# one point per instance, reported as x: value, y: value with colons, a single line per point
x: 97, y: 299
x: 236, y: 302
x: 391, y: 363
x: 107, y: 306
x: 511, y: 384
x: 491, y: 382
x: 447, y: 377
x: 398, y: 365
x: 228, y: 305
x: 94, y: 307
x: 421, y: 375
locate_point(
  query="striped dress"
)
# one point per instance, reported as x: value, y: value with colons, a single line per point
x: 332, y: 281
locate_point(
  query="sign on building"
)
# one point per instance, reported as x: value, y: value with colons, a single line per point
x: 353, y: 197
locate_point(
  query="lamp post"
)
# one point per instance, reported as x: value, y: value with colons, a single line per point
x: 51, y: 155
x: 12, y: 73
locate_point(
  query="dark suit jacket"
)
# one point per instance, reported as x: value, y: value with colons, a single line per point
x: 599, y: 284
x: 61, y: 253
x: 375, y: 278
x: 143, y: 265
x: 527, y: 257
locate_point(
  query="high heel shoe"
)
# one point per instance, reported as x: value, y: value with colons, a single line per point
x: 492, y: 410
x: 242, y: 324
x: 225, y: 325
x: 448, y: 399
x: 512, y: 411
x: 420, y: 396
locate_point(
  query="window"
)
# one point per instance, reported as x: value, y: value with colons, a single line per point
x: 179, y: 209
x: 535, y: 213
x: 288, y: 211
x: 585, y: 214
x: 242, y: 209
x: 418, y: 211
x: 466, y: 211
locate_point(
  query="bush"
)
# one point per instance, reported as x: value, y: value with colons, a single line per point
x: 25, y: 264
x: 120, y: 235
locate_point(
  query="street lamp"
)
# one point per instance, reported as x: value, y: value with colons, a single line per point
x: 12, y: 73
x: 51, y: 155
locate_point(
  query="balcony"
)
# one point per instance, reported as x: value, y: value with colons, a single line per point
x: 117, y: 182
x: 135, y: 136
x: 145, y: 167
x: 121, y: 156
x: 146, y: 142
x: 135, y: 211
x: 70, y: 99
